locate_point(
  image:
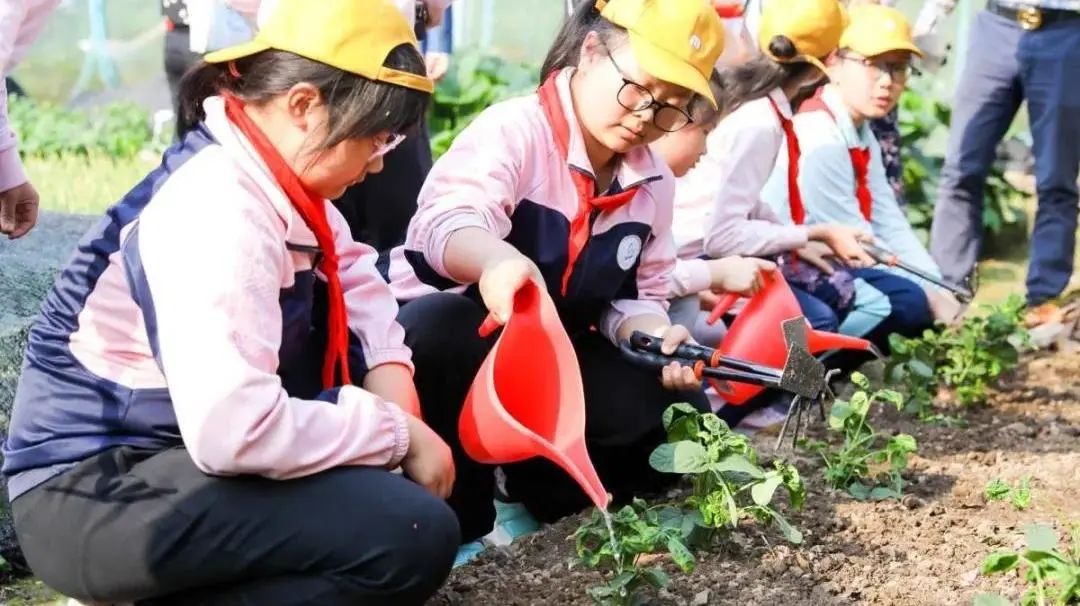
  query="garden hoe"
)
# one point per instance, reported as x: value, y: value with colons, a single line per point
x: 802, y: 375
x: 887, y: 258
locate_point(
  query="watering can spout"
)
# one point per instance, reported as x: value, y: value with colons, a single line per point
x: 528, y: 400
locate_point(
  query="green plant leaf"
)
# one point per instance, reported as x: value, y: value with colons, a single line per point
x: 1021, y: 496
x: 881, y: 493
x: 738, y: 464
x: 1001, y: 561
x: 860, y: 380
x: 839, y: 413
x: 1040, y: 537
x: 902, y: 443
x: 763, y: 491
x: 990, y: 599
x: 602, y: 594
x: 996, y: 490
x: 679, y: 457
x: 921, y: 369
x: 790, y: 533
x: 676, y: 410
x: 656, y: 577
x: 681, y: 555
x: 859, y: 490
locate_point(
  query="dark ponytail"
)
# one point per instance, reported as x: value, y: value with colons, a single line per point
x: 566, y: 50
x: 357, y: 107
x: 755, y: 78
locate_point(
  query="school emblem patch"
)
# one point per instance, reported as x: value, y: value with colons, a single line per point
x: 628, y: 252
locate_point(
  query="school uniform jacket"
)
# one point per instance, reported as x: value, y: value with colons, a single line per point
x: 504, y: 174
x: 827, y: 183
x: 185, y: 317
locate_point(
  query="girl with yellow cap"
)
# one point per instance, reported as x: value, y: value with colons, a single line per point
x: 841, y: 176
x: 560, y: 188
x: 186, y: 430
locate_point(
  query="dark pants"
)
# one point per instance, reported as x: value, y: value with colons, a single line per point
x: 624, y: 405
x: 819, y: 307
x: 379, y: 208
x: 130, y: 525
x: 1006, y: 66
x: 910, y: 311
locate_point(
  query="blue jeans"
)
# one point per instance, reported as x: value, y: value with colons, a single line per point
x: 1006, y: 66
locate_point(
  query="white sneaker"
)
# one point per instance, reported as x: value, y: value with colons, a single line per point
x: 74, y: 602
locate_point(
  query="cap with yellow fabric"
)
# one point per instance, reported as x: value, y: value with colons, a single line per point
x: 813, y: 26
x: 875, y: 30
x: 677, y: 41
x: 354, y: 36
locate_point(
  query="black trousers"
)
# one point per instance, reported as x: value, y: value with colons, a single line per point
x: 143, y: 526
x: 379, y: 208
x: 624, y: 405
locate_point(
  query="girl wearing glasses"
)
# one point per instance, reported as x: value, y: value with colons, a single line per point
x: 840, y: 173
x: 560, y: 188
x: 184, y: 428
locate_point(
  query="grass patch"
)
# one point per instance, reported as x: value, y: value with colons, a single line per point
x: 84, y: 184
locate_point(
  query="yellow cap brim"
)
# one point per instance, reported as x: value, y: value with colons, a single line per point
x: 239, y: 51
x: 888, y: 47
x: 662, y: 65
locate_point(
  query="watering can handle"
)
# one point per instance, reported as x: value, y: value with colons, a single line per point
x: 722, y: 306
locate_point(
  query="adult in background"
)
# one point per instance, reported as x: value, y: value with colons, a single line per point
x: 21, y: 21
x: 1018, y: 52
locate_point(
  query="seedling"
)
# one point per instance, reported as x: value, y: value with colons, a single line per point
x: 729, y: 485
x: 1052, y: 574
x: 859, y: 466
x: 966, y: 358
x: 636, y: 530
x: 1019, y: 496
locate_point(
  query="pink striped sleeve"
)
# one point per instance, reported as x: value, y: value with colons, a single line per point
x: 475, y: 183
x: 214, y: 258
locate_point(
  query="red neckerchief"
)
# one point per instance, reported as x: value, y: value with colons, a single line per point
x: 580, y: 226
x: 798, y: 212
x: 312, y: 209
x: 860, y: 158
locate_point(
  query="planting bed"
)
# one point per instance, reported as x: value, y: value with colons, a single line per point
x: 924, y: 550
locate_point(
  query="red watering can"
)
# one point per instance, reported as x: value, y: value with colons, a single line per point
x: 528, y: 400
x: 757, y: 335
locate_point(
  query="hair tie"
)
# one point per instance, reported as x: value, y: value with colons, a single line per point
x: 233, y: 72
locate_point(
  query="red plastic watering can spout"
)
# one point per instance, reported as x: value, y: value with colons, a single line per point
x: 527, y: 400
x: 818, y: 341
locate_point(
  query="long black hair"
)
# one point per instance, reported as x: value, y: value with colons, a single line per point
x: 755, y: 78
x: 566, y: 50
x: 357, y: 107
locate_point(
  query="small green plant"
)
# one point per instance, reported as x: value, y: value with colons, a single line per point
x: 729, y: 485
x: 1052, y: 573
x: 861, y: 466
x: 967, y: 358
x: 1019, y: 496
x: 475, y: 82
x: 636, y: 530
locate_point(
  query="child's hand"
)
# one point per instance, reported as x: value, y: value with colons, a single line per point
x: 740, y: 275
x: 817, y: 254
x: 500, y: 281
x: 429, y: 461
x: 943, y: 305
x: 675, y: 376
x: 846, y: 242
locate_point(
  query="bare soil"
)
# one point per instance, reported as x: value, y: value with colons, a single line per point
x: 924, y: 550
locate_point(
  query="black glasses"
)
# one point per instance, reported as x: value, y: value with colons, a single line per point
x: 636, y: 98
x: 898, y: 72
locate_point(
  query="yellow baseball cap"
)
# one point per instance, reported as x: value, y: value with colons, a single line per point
x: 813, y: 26
x: 352, y: 35
x: 677, y: 41
x: 874, y: 30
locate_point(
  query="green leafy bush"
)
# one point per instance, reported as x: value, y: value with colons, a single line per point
x: 118, y: 131
x: 921, y: 117
x: 1052, y: 572
x: 475, y: 82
